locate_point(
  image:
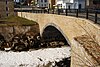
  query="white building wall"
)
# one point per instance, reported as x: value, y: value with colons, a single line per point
x: 42, y: 4
x: 82, y: 2
x: 16, y: 0
x: 74, y: 4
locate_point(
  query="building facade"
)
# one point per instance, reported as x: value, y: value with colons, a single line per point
x: 71, y: 4
x: 23, y: 2
x: 93, y: 4
x: 6, y: 8
x: 42, y: 3
x: 51, y: 3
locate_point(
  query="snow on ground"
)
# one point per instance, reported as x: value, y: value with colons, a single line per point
x: 33, y: 58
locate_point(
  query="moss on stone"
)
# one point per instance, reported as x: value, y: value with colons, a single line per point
x: 16, y: 20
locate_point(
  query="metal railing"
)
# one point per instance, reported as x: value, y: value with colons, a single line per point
x: 91, y: 14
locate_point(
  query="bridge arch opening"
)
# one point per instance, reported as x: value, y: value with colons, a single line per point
x: 52, y: 33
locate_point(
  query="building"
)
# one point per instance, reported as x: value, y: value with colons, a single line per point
x: 6, y: 8
x: 23, y: 2
x: 93, y: 4
x: 42, y: 3
x: 71, y: 4
x: 28, y: 2
x: 51, y: 3
x: 34, y: 3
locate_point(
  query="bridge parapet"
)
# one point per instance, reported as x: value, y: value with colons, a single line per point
x: 70, y: 27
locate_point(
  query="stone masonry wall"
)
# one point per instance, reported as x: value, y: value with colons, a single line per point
x: 70, y: 27
x: 3, y: 5
x: 85, y: 52
x: 10, y: 31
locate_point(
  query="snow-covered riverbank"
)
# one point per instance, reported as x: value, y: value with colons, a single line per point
x: 33, y: 58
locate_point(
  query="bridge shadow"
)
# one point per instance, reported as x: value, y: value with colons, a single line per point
x: 52, y: 37
x: 52, y: 34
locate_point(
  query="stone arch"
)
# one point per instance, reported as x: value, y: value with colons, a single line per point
x: 58, y: 28
x: 72, y: 27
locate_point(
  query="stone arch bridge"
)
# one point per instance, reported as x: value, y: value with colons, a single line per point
x: 82, y: 35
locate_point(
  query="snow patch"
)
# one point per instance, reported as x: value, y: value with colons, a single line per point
x: 33, y: 58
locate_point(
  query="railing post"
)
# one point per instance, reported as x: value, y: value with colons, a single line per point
x: 66, y: 12
x: 32, y: 11
x: 36, y: 11
x: 76, y: 12
x: 95, y: 16
x: 41, y: 11
x: 49, y: 8
x: 86, y: 13
x: 48, y: 11
x: 44, y: 11
x: 58, y: 11
x: 53, y: 11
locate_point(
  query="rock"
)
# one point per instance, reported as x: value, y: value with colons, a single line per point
x: 20, y: 47
x: 7, y: 49
x: 60, y: 44
x: 63, y: 63
x: 53, y: 44
x: 2, y: 40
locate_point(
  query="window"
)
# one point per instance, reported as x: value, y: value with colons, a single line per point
x: 45, y: 5
x: 42, y: 5
x: 41, y: 0
x: 7, y: 14
x: 45, y: 0
x: 6, y: 8
x: 6, y: 1
x: 22, y: 0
